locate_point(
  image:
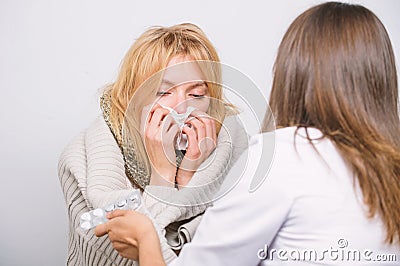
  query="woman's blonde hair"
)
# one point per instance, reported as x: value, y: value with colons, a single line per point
x: 147, y: 58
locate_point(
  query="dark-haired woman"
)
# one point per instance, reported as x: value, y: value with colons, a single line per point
x: 332, y: 196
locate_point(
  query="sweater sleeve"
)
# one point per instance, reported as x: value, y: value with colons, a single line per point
x: 196, y: 197
x: 106, y: 179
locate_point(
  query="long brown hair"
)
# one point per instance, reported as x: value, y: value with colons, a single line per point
x: 335, y: 71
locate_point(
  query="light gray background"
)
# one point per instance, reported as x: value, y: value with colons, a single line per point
x: 54, y: 58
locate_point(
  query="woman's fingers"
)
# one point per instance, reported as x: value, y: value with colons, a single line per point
x: 172, y: 132
x: 198, y: 126
x: 101, y: 230
x: 126, y: 250
x: 116, y: 213
x: 205, y: 129
x: 193, y: 146
x: 155, y: 119
x: 209, y: 123
x: 166, y: 124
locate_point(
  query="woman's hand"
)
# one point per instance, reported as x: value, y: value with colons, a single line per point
x: 159, y: 133
x: 133, y: 235
x: 202, y: 139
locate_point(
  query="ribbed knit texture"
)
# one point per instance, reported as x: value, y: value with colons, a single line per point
x: 92, y: 174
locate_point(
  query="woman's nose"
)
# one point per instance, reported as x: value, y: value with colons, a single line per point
x: 180, y: 104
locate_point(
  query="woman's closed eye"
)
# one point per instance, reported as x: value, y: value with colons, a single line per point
x: 163, y: 93
x: 197, y: 95
x: 194, y: 95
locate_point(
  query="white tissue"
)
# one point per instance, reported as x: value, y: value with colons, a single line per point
x: 181, y: 141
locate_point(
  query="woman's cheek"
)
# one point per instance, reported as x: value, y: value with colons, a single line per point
x: 164, y: 101
x: 200, y: 104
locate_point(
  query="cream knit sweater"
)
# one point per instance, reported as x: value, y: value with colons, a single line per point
x: 92, y: 174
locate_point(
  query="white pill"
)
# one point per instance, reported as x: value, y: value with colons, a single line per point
x: 86, y: 216
x: 98, y: 212
x: 86, y: 225
x: 121, y: 203
x: 110, y: 208
x: 98, y: 221
x: 134, y: 197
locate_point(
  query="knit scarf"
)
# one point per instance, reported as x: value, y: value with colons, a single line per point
x: 134, y: 170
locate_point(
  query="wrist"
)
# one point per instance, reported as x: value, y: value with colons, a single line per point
x: 183, y: 177
x: 166, y: 179
x: 150, y: 250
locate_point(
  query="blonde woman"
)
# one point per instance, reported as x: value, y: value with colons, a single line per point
x: 136, y: 143
x: 332, y: 196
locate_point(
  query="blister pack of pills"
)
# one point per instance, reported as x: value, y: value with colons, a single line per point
x: 97, y: 216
